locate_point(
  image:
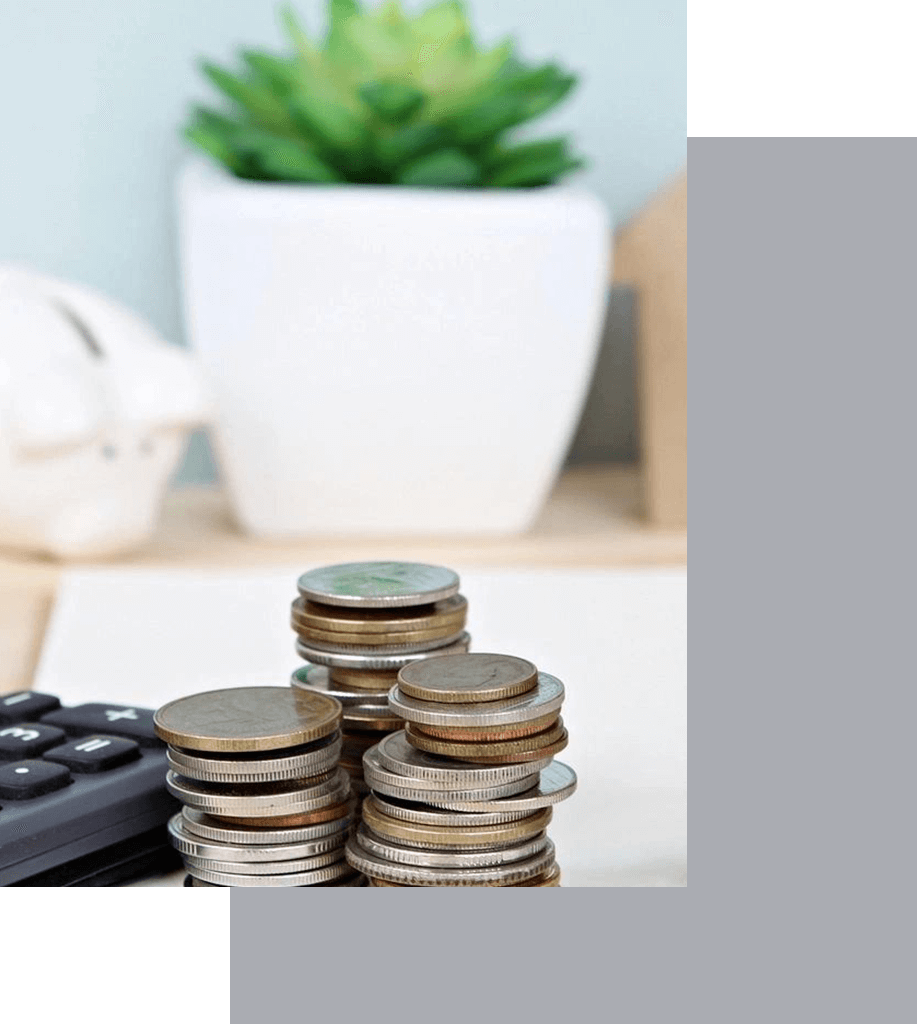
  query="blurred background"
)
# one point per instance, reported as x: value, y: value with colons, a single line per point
x: 96, y: 94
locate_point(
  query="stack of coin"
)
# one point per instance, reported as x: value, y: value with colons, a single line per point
x: 463, y: 795
x: 265, y: 803
x: 357, y: 625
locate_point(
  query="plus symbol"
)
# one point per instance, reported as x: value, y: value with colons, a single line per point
x: 113, y: 715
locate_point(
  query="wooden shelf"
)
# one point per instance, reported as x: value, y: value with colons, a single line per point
x: 591, y: 520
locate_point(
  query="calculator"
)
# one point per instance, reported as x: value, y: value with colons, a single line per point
x: 82, y: 794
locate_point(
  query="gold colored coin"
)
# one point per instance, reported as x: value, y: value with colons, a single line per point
x: 468, y: 678
x: 475, y: 836
x: 488, y: 734
x: 363, y: 679
x: 418, y: 636
x: 247, y: 718
x: 532, y: 755
x: 362, y: 718
x: 450, y: 748
x: 293, y: 820
x: 548, y: 879
x: 311, y: 615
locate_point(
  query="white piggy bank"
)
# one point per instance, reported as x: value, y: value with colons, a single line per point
x: 94, y: 410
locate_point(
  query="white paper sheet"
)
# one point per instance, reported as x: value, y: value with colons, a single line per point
x: 618, y: 640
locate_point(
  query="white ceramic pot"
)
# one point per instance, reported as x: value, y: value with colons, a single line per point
x: 389, y: 360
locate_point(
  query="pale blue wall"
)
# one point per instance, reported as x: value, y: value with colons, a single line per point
x: 93, y: 93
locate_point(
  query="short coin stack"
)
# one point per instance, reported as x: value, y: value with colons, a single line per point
x: 265, y: 801
x: 463, y: 795
x: 357, y: 625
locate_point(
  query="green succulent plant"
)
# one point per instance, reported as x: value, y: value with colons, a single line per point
x: 388, y: 98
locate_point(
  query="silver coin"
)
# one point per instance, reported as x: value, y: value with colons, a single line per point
x: 193, y: 846
x: 317, y: 677
x: 382, y: 651
x: 427, y: 858
x: 378, y: 867
x: 547, y: 696
x: 395, y: 753
x: 340, y: 869
x: 469, y: 797
x: 378, y: 584
x: 356, y: 713
x: 275, y: 769
x: 391, y: 783
x: 355, y: 880
x: 425, y: 814
x: 273, y: 867
x: 557, y: 782
x: 381, y: 662
x: 263, y: 800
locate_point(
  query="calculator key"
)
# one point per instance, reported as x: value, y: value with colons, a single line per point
x: 95, y: 753
x: 25, y: 706
x: 28, y: 739
x: 22, y: 780
x: 136, y: 723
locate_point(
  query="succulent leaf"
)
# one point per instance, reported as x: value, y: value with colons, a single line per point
x: 406, y: 144
x: 294, y: 30
x: 393, y: 102
x: 449, y: 168
x: 294, y: 164
x: 339, y: 48
x: 392, y: 12
x: 278, y: 74
x: 332, y: 125
x: 257, y: 100
x: 510, y: 100
x: 440, y: 22
x: 217, y: 145
x: 529, y: 164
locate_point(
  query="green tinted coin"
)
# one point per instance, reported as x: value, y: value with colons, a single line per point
x: 378, y: 584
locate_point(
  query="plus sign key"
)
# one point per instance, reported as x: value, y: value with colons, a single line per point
x: 133, y: 722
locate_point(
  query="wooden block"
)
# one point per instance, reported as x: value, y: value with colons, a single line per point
x: 651, y: 255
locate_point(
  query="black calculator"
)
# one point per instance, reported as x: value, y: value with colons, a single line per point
x: 82, y: 794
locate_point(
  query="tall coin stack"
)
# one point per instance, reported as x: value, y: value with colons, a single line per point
x: 265, y: 803
x: 464, y: 794
x: 357, y: 625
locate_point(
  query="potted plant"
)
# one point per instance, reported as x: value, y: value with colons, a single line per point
x: 398, y: 306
